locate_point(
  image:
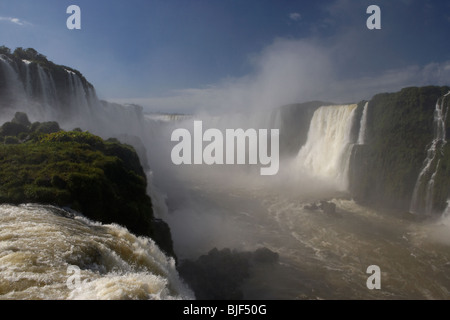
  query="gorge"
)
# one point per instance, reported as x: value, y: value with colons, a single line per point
x: 384, y: 164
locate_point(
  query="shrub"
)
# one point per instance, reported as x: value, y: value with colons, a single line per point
x: 12, y: 129
x: 11, y: 140
x: 48, y: 127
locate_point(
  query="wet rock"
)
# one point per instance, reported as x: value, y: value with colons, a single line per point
x: 312, y: 207
x: 265, y: 255
x: 328, y: 207
x: 220, y: 274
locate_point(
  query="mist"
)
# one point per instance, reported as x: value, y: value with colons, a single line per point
x: 299, y: 70
x: 234, y: 206
x: 206, y: 203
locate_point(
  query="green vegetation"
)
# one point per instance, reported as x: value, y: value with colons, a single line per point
x: 104, y: 180
x: 5, y: 50
x: 29, y: 54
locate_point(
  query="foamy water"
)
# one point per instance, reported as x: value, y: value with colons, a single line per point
x: 39, y: 245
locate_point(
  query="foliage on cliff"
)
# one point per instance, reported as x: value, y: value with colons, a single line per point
x: 399, y: 131
x: 104, y: 180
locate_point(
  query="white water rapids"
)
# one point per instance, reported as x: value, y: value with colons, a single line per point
x: 38, y: 244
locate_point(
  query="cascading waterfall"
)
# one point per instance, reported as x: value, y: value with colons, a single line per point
x: 28, y: 84
x: 327, y: 151
x: 12, y: 79
x: 446, y: 213
x: 32, y: 89
x: 363, y: 125
x: 44, y: 84
x: 47, y: 91
x: 422, y: 199
x: 79, y: 96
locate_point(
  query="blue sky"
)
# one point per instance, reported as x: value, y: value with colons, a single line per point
x: 175, y: 55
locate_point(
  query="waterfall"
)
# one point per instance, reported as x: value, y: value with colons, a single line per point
x: 28, y: 85
x: 422, y: 199
x: 45, y: 86
x: 12, y: 80
x: 79, y: 95
x: 362, y: 130
x: 327, y: 151
x: 446, y: 213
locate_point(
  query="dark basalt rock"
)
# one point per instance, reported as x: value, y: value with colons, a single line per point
x: 220, y: 274
x: 264, y: 255
x: 324, y: 206
x: 328, y: 207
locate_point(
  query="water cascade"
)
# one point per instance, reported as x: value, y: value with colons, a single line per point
x: 422, y: 199
x: 363, y: 125
x: 327, y: 151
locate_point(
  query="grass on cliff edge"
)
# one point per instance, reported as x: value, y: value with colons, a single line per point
x: 102, y: 179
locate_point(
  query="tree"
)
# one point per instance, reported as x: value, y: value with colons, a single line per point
x: 5, y: 50
x: 29, y: 54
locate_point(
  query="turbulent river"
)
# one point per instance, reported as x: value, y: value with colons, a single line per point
x: 322, y: 256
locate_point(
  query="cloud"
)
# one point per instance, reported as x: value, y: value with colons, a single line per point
x: 293, y: 71
x: 295, y: 16
x: 15, y: 21
x: 347, y: 65
x: 285, y: 72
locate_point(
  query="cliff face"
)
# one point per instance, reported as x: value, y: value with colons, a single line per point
x: 400, y: 129
x: 400, y: 159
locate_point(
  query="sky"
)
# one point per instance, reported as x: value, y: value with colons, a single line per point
x: 188, y: 55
